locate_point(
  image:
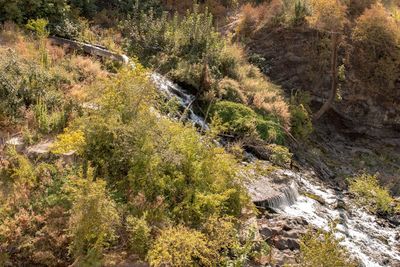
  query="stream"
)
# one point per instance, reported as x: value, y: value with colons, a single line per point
x: 369, y: 239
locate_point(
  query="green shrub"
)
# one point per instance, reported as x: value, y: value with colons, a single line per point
x: 237, y: 118
x: 181, y: 246
x: 93, y: 221
x: 280, y: 155
x: 223, y: 237
x: 139, y: 237
x: 370, y: 194
x: 243, y: 121
x: 301, y: 121
x: 323, y: 249
x: 157, y: 165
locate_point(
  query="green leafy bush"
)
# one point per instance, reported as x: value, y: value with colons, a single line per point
x: 93, y: 221
x: 237, y: 118
x: 301, y: 121
x: 280, y: 155
x: 158, y: 165
x: 181, y: 246
x: 370, y: 194
x: 139, y: 237
x: 323, y: 249
x: 243, y: 121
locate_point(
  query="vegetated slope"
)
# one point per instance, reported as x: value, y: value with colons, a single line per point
x: 293, y: 46
x: 135, y: 174
x: 142, y: 185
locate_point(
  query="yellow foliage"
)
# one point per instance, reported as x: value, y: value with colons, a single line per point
x: 323, y: 249
x: 181, y: 247
x: 327, y: 15
x: 370, y: 194
x: 68, y: 142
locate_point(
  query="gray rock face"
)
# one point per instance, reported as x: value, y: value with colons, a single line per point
x: 41, y: 149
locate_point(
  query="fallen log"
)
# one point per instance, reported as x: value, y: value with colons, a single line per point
x: 90, y: 49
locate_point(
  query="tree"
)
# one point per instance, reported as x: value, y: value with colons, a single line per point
x: 329, y: 16
x: 376, y: 55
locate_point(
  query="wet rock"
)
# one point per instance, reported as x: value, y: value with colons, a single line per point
x: 341, y: 205
x: 41, y: 149
x: 299, y: 221
x: 295, y: 234
x: 283, y: 243
x: 394, y: 219
x: 269, y: 232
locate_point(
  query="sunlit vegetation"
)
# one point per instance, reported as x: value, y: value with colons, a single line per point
x: 135, y: 175
x: 322, y: 248
x: 377, y: 38
x: 370, y: 194
x: 126, y: 174
x: 191, y: 51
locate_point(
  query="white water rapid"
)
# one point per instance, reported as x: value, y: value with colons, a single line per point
x: 373, y: 243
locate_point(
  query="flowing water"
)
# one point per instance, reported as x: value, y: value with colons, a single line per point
x: 370, y: 241
x: 373, y: 243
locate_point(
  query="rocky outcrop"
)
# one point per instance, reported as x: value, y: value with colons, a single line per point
x: 283, y: 234
x: 274, y: 191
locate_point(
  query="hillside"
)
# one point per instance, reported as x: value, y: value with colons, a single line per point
x: 209, y: 133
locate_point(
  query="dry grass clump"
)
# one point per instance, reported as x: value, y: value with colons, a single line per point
x: 246, y: 84
x: 87, y: 69
x: 270, y: 102
x: 230, y: 90
x: 252, y: 17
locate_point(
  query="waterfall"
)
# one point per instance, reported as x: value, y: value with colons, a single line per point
x: 287, y: 197
x: 186, y: 100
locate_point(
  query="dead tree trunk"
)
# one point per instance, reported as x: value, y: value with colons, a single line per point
x: 328, y: 104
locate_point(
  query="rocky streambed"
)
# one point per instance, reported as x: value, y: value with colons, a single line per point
x: 372, y: 240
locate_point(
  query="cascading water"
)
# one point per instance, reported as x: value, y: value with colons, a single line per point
x: 286, y: 197
x: 171, y: 90
x: 372, y: 243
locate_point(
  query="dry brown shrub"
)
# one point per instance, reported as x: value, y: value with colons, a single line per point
x: 37, y: 239
x: 88, y: 69
x: 230, y: 90
x: 253, y: 18
x: 248, y: 21
x: 272, y: 103
x: 327, y: 15
x: 56, y: 53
